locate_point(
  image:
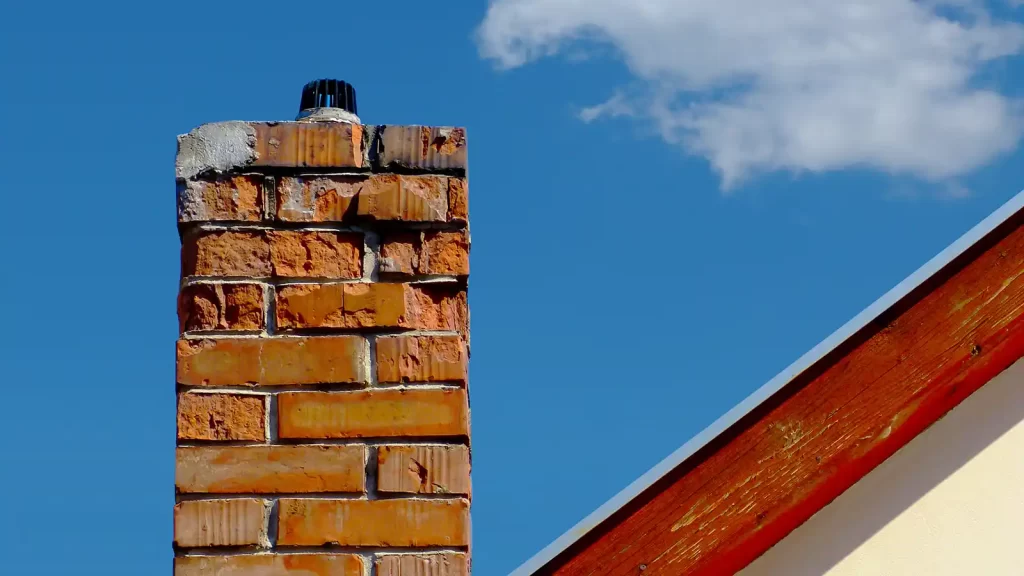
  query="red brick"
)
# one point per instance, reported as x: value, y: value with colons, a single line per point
x: 311, y: 305
x: 315, y: 522
x: 273, y: 565
x: 431, y: 252
x: 441, y: 306
x: 226, y: 253
x: 407, y: 198
x: 400, y: 253
x: 458, y: 200
x: 312, y: 144
x: 221, y: 417
x: 373, y: 413
x: 317, y: 198
x: 403, y: 359
x: 221, y: 306
x: 445, y: 253
x: 284, y: 253
x: 306, y: 254
x: 228, y: 198
x: 423, y: 469
x: 235, y: 522
x: 272, y: 361
x: 270, y: 469
x: 377, y: 197
x: 424, y: 147
x: 359, y: 305
x: 377, y: 305
x: 433, y: 564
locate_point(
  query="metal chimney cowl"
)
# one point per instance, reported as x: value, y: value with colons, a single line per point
x: 328, y: 100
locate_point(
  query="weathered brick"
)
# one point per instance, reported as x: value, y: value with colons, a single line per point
x: 441, y: 306
x: 377, y: 196
x: 445, y: 253
x: 423, y: 469
x: 430, y: 252
x: 270, y: 469
x: 407, y: 198
x: 341, y: 305
x: 283, y: 253
x: 424, y: 147
x: 307, y: 254
x: 226, y: 253
x: 235, y: 522
x: 404, y: 359
x: 315, y: 522
x: 434, y: 564
x: 372, y: 305
x: 400, y: 252
x: 375, y: 305
x: 272, y: 361
x: 458, y: 199
x: 309, y: 144
x: 373, y: 413
x: 206, y: 306
x: 227, y: 198
x: 274, y: 565
x: 225, y: 146
x: 221, y: 417
x: 317, y: 198
x: 308, y: 305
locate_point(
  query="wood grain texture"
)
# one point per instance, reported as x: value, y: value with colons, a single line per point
x: 776, y: 467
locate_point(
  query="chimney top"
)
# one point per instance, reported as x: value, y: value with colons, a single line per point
x: 328, y: 99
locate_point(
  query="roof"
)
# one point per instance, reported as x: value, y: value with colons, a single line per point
x: 889, y: 372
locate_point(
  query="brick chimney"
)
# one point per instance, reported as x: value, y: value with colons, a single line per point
x: 323, y: 416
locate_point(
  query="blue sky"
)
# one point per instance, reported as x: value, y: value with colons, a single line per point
x: 669, y: 205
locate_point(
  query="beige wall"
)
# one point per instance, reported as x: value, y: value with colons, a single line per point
x: 951, y: 502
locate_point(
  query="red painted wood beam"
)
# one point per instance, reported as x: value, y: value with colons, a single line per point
x: 751, y: 486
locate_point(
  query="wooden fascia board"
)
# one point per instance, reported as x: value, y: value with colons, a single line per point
x: 816, y: 429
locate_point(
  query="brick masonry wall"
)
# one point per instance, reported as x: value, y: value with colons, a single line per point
x: 323, y: 414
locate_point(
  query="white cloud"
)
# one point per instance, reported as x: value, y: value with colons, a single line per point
x: 615, y: 106
x: 801, y: 85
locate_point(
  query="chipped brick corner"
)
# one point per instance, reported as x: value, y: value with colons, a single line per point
x: 322, y: 363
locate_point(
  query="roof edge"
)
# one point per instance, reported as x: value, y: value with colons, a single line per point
x: 767, y: 390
